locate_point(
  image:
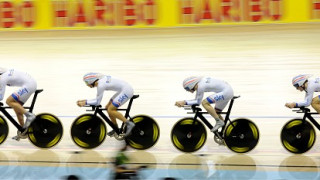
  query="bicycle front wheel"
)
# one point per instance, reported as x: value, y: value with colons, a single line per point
x: 298, y: 136
x: 88, y: 131
x: 188, y: 135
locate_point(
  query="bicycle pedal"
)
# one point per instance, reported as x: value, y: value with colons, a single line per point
x: 119, y: 137
x: 22, y: 135
x: 219, y: 141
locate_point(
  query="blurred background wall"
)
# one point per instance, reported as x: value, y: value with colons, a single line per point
x: 106, y: 14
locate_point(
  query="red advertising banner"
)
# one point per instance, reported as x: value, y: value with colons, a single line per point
x: 217, y: 11
x: 104, y: 13
x: 315, y: 9
x: 57, y: 14
x: 13, y: 14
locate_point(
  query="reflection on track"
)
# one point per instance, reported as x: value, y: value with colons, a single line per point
x: 299, y: 167
x: 46, y: 164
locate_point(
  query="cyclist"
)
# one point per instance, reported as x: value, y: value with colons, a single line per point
x: 223, y: 94
x: 303, y: 83
x: 12, y: 77
x: 123, y: 93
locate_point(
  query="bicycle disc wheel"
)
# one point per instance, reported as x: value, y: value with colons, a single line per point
x: 45, y: 131
x: 4, y: 130
x: 298, y: 136
x: 188, y: 135
x: 145, y: 134
x: 88, y: 131
x: 241, y: 135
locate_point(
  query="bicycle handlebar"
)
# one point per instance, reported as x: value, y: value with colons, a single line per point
x: 301, y: 110
x: 195, y: 108
x: 93, y: 107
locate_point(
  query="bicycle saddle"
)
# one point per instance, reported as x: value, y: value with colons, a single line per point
x: 235, y: 97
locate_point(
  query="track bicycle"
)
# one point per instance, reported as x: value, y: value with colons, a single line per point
x: 298, y: 135
x: 189, y: 134
x: 88, y: 130
x: 44, y: 132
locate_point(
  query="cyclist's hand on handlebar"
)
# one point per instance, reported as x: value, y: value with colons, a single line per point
x: 180, y: 103
x: 81, y: 103
x: 290, y: 105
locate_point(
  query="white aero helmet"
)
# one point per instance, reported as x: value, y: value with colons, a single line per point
x: 299, y: 80
x: 190, y: 82
x: 91, y: 77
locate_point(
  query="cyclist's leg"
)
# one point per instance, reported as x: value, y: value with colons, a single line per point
x: 118, y: 101
x: 316, y: 103
x: 114, y: 114
x: 109, y: 106
x: 112, y: 111
x: 18, y: 98
x: 218, y: 111
x: 221, y: 100
x: 25, y: 93
x: 113, y: 120
x: 206, y: 103
x: 17, y: 107
x: 16, y: 101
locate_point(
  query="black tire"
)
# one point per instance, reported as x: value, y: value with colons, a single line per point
x: 241, y: 135
x: 88, y: 131
x: 298, y: 136
x: 145, y: 134
x: 45, y: 131
x: 4, y: 130
x: 188, y: 135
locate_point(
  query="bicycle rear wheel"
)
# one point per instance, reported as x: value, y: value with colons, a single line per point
x: 145, y: 134
x: 4, y: 130
x: 241, y: 135
x: 45, y: 131
x: 298, y: 136
x: 188, y: 135
x: 88, y: 131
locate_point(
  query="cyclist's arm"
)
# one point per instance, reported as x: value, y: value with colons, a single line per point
x: 198, y: 98
x: 307, y: 100
x: 98, y: 99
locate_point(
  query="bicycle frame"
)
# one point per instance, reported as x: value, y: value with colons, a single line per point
x: 99, y: 110
x: 307, y: 115
x: 199, y: 113
x: 11, y: 119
